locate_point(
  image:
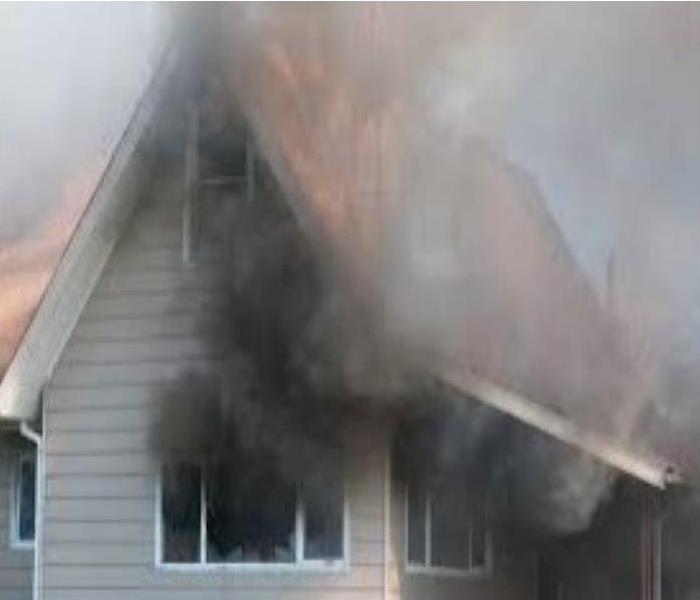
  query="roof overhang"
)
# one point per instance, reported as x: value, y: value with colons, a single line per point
x: 651, y: 470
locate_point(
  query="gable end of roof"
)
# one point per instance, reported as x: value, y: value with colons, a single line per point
x: 87, y: 253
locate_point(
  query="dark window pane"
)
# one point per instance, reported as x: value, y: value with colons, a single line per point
x: 478, y: 537
x: 323, y: 518
x: 251, y: 516
x: 26, y: 496
x: 416, y: 525
x: 181, y: 493
x: 449, y: 529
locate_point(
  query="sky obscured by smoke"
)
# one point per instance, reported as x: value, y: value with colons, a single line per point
x: 429, y: 147
x: 514, y: 186
x: 70, y: 78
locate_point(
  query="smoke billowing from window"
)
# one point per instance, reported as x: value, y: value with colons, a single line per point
x: 459, y: 179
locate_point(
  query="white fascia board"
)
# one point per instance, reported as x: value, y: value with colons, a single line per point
x: 651, y: 470
x: 85, y: 257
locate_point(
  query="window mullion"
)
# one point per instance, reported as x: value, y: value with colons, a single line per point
x: 202, y: 518
x: 299, y: 529
x: 428, y: 530
x: 17, y: 476
x: 470, y: 538
x: 160, y: 535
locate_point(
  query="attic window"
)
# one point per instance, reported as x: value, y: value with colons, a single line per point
x: 219, y: 164
x: 445, y: 532
x: 22, y: 521
x: 225, y: 516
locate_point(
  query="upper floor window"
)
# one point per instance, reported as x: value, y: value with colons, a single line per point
x: 221, y: 515
x: 220, y: 166
x: 445, y: 531
x: 23, y: 505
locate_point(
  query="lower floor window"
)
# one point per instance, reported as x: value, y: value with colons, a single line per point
x: 24, y: 500
x: 222, y: 514
x: 445, y: 530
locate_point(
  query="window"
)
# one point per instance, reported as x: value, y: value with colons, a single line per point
x: 23, y: 501
x: 224, y: 516
x: 445, y: 532
x: 220, y: 166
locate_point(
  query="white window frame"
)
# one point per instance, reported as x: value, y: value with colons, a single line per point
x: 16, y: 500
x: 426, y: 568
x: 299, y: 564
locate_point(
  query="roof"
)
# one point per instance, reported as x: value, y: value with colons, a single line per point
x: 519, y: 327
x: 72, y: 77
x: 513, y: 209
x: 89, y: 246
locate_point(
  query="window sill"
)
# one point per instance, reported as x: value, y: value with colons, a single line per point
x: 21, y: 546
x: 471, y: 573
x: 309, y: 567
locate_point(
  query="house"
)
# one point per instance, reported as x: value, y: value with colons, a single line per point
x: 92, y: 511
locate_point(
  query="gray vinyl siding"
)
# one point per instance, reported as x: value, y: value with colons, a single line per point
x: 140, y: 330
x: 16, y: 566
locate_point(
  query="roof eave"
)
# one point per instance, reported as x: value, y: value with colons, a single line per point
x: 654, y: 471
x: 84, y: 259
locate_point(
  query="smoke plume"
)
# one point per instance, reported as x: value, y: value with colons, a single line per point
x: 461, y: 177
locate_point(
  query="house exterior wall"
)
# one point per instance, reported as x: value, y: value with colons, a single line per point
x: 16, y: 566
x: 512, y: 576
x: 139, y: 331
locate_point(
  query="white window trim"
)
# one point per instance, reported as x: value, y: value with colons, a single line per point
x: 414, y: 568
x: 15, y: 542
x: 300, y: 564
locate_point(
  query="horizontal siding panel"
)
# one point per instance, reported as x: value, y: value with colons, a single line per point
x: 97, y: 532
x: 160, y: 237
x: 133, y: 258
x: 13, y: 558
x: 130, y: 396
x: 173, y: 281
x: 366, y: 531
x: 14, y: 578
x: 132, y: 463
x: 20, y: 594
x: 129, y: 352
x: 89, y: 443
x: 92, y: 553
x: 93, y: 486
x: 151, y: 304
x: 160, y: 210
x: 367, y: 553
x: 139, y: 373
x: 99, y: 509
x: 101, y: 419
x: 138, y: 328
x: 361, y: 509
x: 143, y: 577
x: 366, y: 496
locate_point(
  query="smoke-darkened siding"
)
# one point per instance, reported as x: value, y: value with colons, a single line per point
x: 139, y: 330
